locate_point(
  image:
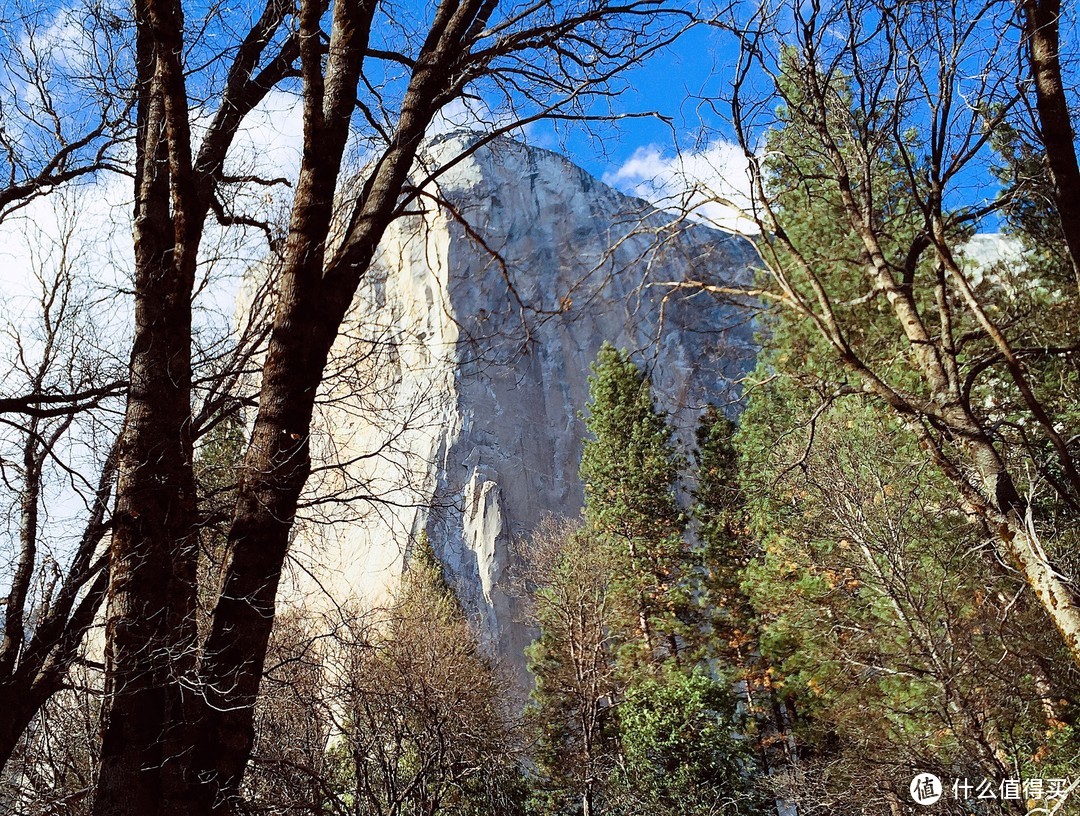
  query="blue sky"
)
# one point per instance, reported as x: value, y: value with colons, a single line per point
x: 625, y: 153
x: 696, y: 65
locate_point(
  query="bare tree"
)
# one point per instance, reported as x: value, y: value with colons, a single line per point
x: 58, y: 466
x: 60, y: 421
x: 179, y: 709
x: 55, y: 765
x: 426, y: 725
x: 292, y: 767
x: 567, y: 581
x: 64, y: 115
x: 386, y: 711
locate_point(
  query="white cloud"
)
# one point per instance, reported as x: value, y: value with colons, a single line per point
x: 68, y: 42
x: 698, y: 183
x: 95, y: 220
x: 270, y: 142
x: 96, y: 214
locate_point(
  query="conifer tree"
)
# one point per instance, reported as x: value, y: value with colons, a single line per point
x: 217, y: 465
x: 900, y: 646
x: 720, y: 512
x: 727, y: 549
x: 630, y: 470
x: 631, y: 715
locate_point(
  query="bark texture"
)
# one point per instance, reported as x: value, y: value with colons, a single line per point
x: 150, y: 631
x: 316, y: 290
x: 180, y: 712
x: 1041, y: 24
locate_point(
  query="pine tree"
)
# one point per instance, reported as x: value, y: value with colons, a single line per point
x: 725, y: 548
x: 217, y: 468
x: 630, y: 470
x: 630, y: 713
x: 877, y: 615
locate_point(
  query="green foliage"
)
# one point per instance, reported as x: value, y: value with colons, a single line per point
x: 725, y: 545
x: 629, y: 712
x: 218, y: 460
x: 896, y: 639
x: 629, y: 467
x: 680, y: 756
x: 630, y: 470
x: 889, y: 631
x: 217, y: 471
x: 424, y: 589
x: 886, y: 628
x: 1028, y: 198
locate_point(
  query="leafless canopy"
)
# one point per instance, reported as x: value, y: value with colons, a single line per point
x: 63, y: 115
x: 370, y: 78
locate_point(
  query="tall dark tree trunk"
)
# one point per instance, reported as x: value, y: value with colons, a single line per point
x: 150, y: 633
x: 179, y: 729
x: 1041, y: 28
x: 315, y: 294
x: 151, y: 693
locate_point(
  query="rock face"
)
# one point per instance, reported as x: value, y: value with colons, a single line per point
x: 457, y: 396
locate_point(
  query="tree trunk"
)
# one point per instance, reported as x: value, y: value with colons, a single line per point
x: 315, y: 294
x: 167, y: 751
x: 150, y: 650
x: 1041, y: 27
x: 19, y: 710
x: 1056, y: 597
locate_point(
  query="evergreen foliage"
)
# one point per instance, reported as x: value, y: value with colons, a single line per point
x: 724, y: 542
x: 679, y: 753
x: 631, y: 711
x: 217, y: 470
x: 898, y: 642
x: 630, y: 470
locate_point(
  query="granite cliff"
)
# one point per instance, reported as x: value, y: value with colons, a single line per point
x: 459, y: 381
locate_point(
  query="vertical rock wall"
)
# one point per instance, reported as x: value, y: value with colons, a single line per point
x: 459, y: 384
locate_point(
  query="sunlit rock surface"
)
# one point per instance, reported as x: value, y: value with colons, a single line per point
x: 457, y: 393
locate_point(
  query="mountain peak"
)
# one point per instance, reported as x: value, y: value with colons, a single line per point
x: 478, y: 326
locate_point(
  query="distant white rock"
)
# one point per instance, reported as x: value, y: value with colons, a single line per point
x: 990, y: 248
x: 461, y: 378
